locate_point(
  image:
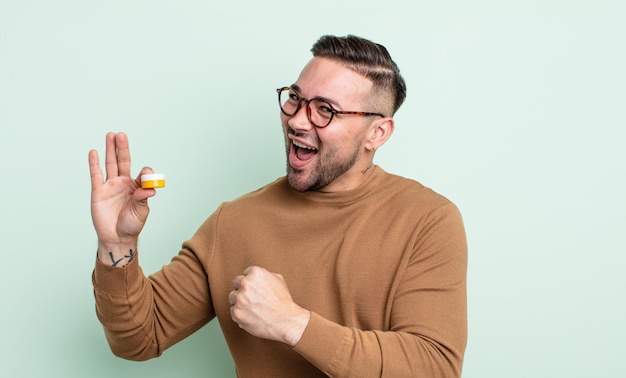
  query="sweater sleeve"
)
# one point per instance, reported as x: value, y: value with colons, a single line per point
x: 142, y: 316
x: 428, y: 322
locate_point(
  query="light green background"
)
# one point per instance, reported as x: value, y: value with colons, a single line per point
x: 515, y: 111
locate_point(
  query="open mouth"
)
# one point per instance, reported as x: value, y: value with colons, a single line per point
x: 303, y: 152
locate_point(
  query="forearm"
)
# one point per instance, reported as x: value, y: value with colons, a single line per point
x: 142, y: 316
x: 123, y: 306
x: 341, y: 351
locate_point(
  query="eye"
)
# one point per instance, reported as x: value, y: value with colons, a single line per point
x: 325, y: 109
x: 294, y: 97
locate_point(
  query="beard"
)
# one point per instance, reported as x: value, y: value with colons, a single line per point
x: 328, y: 166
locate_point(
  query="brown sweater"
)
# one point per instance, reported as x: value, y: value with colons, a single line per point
x: 382, y: 268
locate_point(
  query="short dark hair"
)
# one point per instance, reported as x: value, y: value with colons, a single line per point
x: 367, y: 58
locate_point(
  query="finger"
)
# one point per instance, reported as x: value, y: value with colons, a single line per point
x: 234, y: 317
x: 141, y: 195
x: 123, y: 154
x: 237, y: 282
x: 94, y: 170
x: 252, y: 269
x: 144, y: 171
x: 110, y: 159
x: 232, y: 297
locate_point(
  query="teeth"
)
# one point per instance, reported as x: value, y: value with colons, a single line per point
x: 303, y: 146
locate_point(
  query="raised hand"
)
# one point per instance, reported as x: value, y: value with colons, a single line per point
x: 262, y: 305
x: 119, y: 206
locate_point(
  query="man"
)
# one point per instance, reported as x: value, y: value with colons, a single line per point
x: 337, y: 269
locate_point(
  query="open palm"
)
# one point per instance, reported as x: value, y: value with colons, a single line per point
x: 119, y: 206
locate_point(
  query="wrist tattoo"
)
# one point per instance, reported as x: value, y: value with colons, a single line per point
x: 131, y: 255
x: 127, y: 258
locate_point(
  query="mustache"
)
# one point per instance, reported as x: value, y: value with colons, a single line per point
x: 310, y: 136
x: 291, y: 131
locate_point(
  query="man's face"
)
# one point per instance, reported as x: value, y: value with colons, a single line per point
x: 327, y: 159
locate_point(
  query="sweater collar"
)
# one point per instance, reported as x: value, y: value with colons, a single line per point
x: 344, y: 197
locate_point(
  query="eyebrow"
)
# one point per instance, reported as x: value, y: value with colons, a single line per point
x: 336, y: 105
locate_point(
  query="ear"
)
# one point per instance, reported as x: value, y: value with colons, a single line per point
x: 380, y: 130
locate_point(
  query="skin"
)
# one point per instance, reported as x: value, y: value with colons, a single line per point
x: 260, y: 300
x: 119, y: 206
x: 345, y: 147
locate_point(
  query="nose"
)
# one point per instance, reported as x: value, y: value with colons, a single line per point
x: 301, y: 120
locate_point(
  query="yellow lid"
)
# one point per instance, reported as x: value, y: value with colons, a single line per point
x: 153, y: 180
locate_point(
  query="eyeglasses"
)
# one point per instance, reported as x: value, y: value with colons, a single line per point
x: 319, y: 112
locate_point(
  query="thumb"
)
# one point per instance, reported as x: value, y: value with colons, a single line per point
x: 141, y: 195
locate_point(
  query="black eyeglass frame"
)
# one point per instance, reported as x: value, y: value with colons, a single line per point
x: 332, y: 111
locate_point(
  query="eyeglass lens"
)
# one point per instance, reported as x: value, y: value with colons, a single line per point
x: 319, y: 112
